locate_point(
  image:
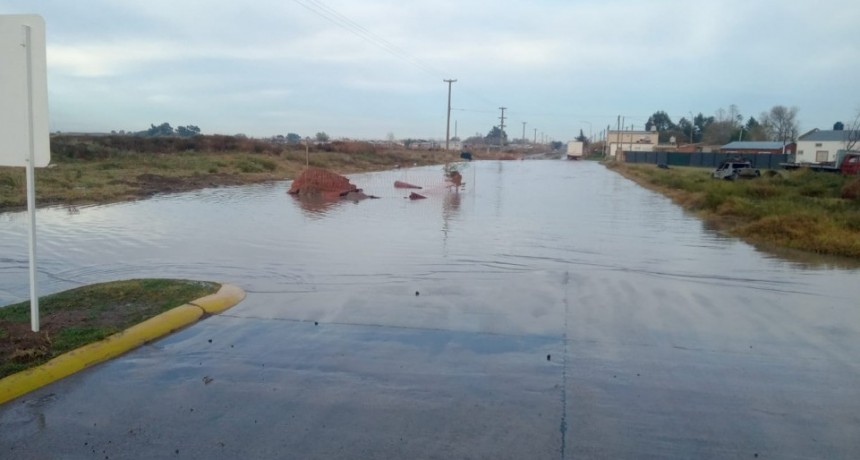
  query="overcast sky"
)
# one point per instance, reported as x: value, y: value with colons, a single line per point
x: 370, y: 68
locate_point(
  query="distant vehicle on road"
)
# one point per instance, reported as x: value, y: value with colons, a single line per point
x: 575, y: 150
x: 847, y: 162
x: 734, y: 169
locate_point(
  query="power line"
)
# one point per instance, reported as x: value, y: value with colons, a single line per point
x: 330, y: 14
x: 473, y: 110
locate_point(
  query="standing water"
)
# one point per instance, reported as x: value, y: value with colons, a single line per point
x: 547, y: 309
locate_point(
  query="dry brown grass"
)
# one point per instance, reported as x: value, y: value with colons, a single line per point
x: 88, y: 170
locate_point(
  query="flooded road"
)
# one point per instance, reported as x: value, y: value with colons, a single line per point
x: 551, y: 309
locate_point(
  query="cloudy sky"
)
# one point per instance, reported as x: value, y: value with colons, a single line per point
x: 370, y: 68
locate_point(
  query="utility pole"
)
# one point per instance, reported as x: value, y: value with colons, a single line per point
x: 448, y: 125
x: 502, y: 129
x: 606, y: 141
x: 623, y: 128
x: 524, y: 132
x: 692, y: 127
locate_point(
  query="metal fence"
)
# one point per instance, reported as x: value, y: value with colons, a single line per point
x: 704, y: 159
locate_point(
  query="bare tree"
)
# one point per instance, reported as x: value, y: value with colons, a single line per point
x: 725, y: 124
x: 852, y: 132
x: 780, y: 123
x: 719, y: 132
x: 735, y: 115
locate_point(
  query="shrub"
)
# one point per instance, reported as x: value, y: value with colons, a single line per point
x: 255, y: 165
x: 714, y: 197
x: 812, y: 190
x: 762, y: 190
x: 11, y: 180
x: 851, y: 190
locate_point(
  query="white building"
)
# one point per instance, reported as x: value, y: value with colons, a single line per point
x: 820, y: 146
x: 630, y: 141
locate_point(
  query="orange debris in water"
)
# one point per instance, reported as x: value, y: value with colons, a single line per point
x: 318, y: 181
x: 401, y: 184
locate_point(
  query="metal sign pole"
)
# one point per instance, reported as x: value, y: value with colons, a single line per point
x: 31, y: 186
x: 24, y: 134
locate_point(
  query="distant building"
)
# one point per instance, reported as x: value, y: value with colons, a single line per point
x: 821, y: 146
x: 630, y: 141
x: 757, y: 147
x: 424, y: 145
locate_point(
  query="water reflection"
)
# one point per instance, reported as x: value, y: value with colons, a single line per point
x: 316, y: 206
x: 451, y: 205
x: 450, y: 209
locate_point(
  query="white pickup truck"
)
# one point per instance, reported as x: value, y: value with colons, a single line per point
x: 733, y: 169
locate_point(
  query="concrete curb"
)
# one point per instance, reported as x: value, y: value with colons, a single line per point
x: 158, y: 326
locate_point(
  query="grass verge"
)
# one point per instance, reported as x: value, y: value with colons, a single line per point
x: 84, y: 315
x: 803, y: 210
x: 97, y: 170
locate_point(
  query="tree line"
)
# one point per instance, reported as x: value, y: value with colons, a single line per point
x: 166, y: 130
x: 726, y: 125
x: 162, y: 130
x: 293, y: 138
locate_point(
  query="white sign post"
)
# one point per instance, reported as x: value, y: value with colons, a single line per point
x: 24, y: 136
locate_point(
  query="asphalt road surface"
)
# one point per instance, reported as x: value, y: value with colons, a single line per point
x: 512, y: 323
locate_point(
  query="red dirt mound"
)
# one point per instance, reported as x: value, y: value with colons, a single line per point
x: 318, y: 181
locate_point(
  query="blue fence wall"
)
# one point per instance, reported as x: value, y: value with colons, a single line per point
x: 704, y: 159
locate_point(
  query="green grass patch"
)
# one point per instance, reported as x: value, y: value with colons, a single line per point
x: 73, y: 337
x: 84, y: 315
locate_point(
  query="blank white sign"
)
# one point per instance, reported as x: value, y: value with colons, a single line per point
x: 17, y: 83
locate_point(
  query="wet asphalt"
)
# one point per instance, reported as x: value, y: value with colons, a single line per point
x: 622, y: 329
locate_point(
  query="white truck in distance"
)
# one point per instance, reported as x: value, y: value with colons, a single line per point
x: 574, y: 150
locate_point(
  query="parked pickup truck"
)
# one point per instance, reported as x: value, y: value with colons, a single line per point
x: 733, y: 169
x: 847, y: 162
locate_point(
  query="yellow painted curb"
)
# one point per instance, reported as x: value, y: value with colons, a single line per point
x: 68, y: 363
x: 225, y: 298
